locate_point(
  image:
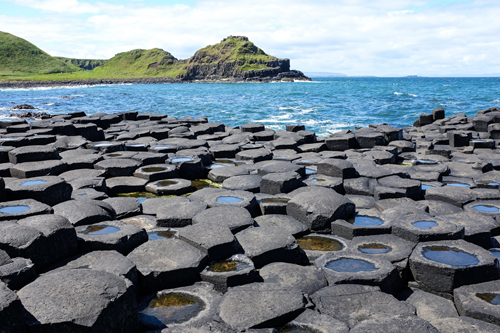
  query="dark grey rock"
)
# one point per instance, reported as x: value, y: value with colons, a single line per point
x: 118, y: 185
x: 275, y: 183
x: 287, y: 223
x: 110, y: 235
x: 399, y: 249
x: 265, y: 245
x: 409, y: 227
x: 156, y: 172
x: 177, y: 212
x: 125, y: 206
x: 175, y: 186
x: 214, y: 239
x: 33, y: 153
x: 118, y: 167
x: 255, y: 155
x: 349, y: 228
x: 464, y: 325
x: 83, y: 212
x: 320, y: 323
x: 80, y: 300
x: 49, y: 190
x: 429, y: 307
x: 18, y: 209
x: 157, y: 271
x: 11, y: 311
x: 337, y: 168
x: 17, y: 273
x: 353, y: 304
x: 394, y: 325
x: 444, y: 277
x: 307, y: 279
x: 260, y: 305
x: 38, y: 169
x: 478, y: 301
x: 318, y: 207
x: 249, y: 183
x: 236, y: 218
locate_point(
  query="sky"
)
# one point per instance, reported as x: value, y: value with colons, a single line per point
x: 354, y: 37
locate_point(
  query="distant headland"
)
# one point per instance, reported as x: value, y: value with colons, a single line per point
x: 234, y: 59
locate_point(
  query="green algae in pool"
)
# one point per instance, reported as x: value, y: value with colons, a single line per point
x: 166, y: 182
x: 489, y: 297
x: 365, y: 221
x: 114, y: 155
x: 228, y: 199
x: 160, y: 235
x: 450, y: 256
x: 181, y: 159
x: 486, y: 208
x: 153, y: 169
x: 316, y: 243
x: 274, y: 200
x: 14, y: 209
x: 425, y: 225
x: 227, y: 266
x: 100, y: 230
x: 200, y: 184
x: 33, y: 182
x: 170, y: 308
x: 348, y: 265
x: 374, y: 248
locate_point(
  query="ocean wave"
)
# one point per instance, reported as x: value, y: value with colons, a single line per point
x: 67, y: 87
x: 398, y: 93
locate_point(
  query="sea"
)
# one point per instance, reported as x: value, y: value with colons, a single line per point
x: 324, y: 105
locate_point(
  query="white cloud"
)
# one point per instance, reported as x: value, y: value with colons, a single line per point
x: 354, y: 37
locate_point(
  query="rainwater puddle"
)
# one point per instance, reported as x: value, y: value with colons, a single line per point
x: 315, y: 243
x: 486, y: 208
x: 227, y: 266
x: 425, y: 187
x: 14, y: 209
x: 450, y: 256
x: 458, y: 184
x: 490, y: 298
x: 374, y: 248
x: 365, y: 221
x: 33, y: 182
x: 181, y: 159
x: 153, y: 169
x: 103, y: 144
x: 310, y: 171
x: 100, y: 230
x: 170, y: 308
x: 160, y: 235
x: 425, y: 225
x: 166, y: 182
x: 347, y: 265
x: 229, y: 199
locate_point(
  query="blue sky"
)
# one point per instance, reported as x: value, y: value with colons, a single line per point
x: 356, y: 37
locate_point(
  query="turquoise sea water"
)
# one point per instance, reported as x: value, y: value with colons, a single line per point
x: 324, y: 105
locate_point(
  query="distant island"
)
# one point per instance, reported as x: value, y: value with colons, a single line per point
x: 234, y: 59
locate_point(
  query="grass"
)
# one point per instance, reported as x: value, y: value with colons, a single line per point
x: 20, y: 57
x: 21, y: 60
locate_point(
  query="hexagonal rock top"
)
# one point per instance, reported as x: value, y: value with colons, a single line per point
x: 260, y: 305
x: 80, y: 300
x: 318, y: 207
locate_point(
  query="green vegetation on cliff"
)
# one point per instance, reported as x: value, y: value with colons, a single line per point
x: 20, y: 57
x: 85, y: 64
x: 234, y: 49
x: 229, y: 58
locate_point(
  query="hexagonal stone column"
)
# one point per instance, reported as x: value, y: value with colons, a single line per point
x: 49, y: 190
x: 443, y: 266
x: 80, y: 300
x: 11, y: 311
x: 480, y: 301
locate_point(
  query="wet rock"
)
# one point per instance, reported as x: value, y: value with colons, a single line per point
x: 353, y: 304
x: 316, y: 245
x: 388, y: 247
x: 227, y: 198
x: 11, y: 311
x: 422, y: 227
x: 307, y: 279
x: 318, y: 207
x: 265, y: 245
x: 363, y: 223
x: 260, y: 305
x: 79, y: 300
x: 157, y: 271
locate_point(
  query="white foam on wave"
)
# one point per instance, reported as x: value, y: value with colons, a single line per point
x: 67, y: 87
x: 398, y: 93
x: 412, y: 95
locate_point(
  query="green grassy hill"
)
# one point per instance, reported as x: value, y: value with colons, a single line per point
x: 233, y: 49
x: 85, y: 64
x: 20, y: 57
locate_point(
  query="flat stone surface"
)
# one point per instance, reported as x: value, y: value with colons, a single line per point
x: 83, y: 212
x: 307, y: 279
x: 287, y: 223
x: 395, y: 325
x: 81, y: 299
x: 11, y: 311
x: 49, y: 190
x: 260, y: 305
x: 235, y: 218
x: 464, y: 325
x: 353, y: 304
x: 124, y: 207
x: 321, y: 323
x: 429, y: 306
x: 178, y: 212
x: 479, y: 301
x: 18, y: 209
x: 158, y: 271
